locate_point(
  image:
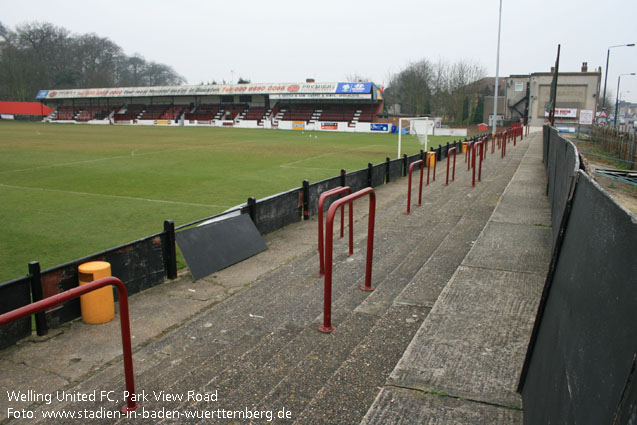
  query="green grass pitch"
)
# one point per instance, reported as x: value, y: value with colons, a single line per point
x: 67, y: 191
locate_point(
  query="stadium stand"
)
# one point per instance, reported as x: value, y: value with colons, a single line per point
x: 251, y: 105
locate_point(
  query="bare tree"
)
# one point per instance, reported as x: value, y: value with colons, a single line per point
x: 439, y: 88
x: 42, y: 56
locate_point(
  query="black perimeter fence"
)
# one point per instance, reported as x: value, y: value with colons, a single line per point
x: 580, y: 366
x: 151, y: 260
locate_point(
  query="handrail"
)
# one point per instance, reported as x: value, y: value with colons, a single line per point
x: 428, y: 159
x: 332, y: 192
x: 56, y: 299
x: 467, y: 157
x: 453, y: 175
x: 411, y: 169
x: 475, y: 146
x: 327, y: 327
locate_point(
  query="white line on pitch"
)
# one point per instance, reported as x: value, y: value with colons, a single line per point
x: 323, y: 155
x: 101, y: 195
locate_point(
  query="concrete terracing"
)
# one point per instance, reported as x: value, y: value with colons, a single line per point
x: 458, y: 281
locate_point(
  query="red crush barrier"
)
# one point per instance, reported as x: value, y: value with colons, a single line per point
x: 411, y: 169
x: 477, y: 145
x: 340, y: 190
x: 327, y: 327
x: 49, y: 302
x: 428, y: 157
x: 453, y: 176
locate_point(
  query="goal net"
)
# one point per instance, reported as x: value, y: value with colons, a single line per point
x: 419, y: 127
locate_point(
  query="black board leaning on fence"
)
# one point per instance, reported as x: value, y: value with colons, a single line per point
x: 215, y: 246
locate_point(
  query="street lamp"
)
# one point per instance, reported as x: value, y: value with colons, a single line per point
x: 606, y: 74
x: 617, y: 100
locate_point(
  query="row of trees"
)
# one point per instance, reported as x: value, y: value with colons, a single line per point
x: 450, y: 90
x: 38, y: 56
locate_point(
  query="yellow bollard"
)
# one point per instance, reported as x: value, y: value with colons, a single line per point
x: 464, y: 147
x: 97, y: 306
x: 431, y: 159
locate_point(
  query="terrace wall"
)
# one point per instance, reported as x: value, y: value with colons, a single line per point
x: 581, y: 362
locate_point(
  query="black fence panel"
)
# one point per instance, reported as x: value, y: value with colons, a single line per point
x: 562, y: 166
x: 140, y: 265
x: 582, y: 364
x: 378, y: 174
x: 395, y: 169
x: 14, y: 294
x: 413, y: 158
x: 357, y: 180
x: 317, y: 188
x: 277, y: 211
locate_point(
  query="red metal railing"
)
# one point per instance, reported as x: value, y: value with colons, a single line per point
x: 340, y: 190
x: 411, y: 169
x: 429, y: 157
x: 467, y: 156
x: 476, y: 145
x: 327, y: 327
x: 453, y: 175
x: 49, y: 302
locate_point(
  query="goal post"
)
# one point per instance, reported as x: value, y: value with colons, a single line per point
x: 420, y: 127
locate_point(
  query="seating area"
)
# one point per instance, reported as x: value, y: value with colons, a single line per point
x: 173, y: 112
x: 65, y: 112
x: 230, y: 111
x: 347, y: 112
x: 153, y: 112
x: 96, y: 112
x: 328, y: 112
x: 203, y: 112
x: 297, y: 112
x: 131, y: 112
x: 255, y: 113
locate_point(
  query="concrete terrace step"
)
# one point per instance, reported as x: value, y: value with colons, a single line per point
x: 260, y: 348
x: 463, y: 364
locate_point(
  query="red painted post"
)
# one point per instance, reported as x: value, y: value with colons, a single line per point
x: 468, y: 156
x: 493, y: 137
x: 481, y: 156
x: 340, y: 190
x: 453, y: 176
x: 473, y: 165
x: 49, y: 302
x: 327, y: 327
x: 504, y: 144
x: 428, y: 159
x: 411, y: 169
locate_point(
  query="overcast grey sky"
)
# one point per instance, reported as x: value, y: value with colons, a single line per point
x: 288, y: 41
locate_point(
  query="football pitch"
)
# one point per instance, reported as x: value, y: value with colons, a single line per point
x: 68, y: 190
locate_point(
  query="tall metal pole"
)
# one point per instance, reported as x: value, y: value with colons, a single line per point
x: 617, y: 100
x: 606, y: 73
x: 605, y: 79
x: 497, y: 75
